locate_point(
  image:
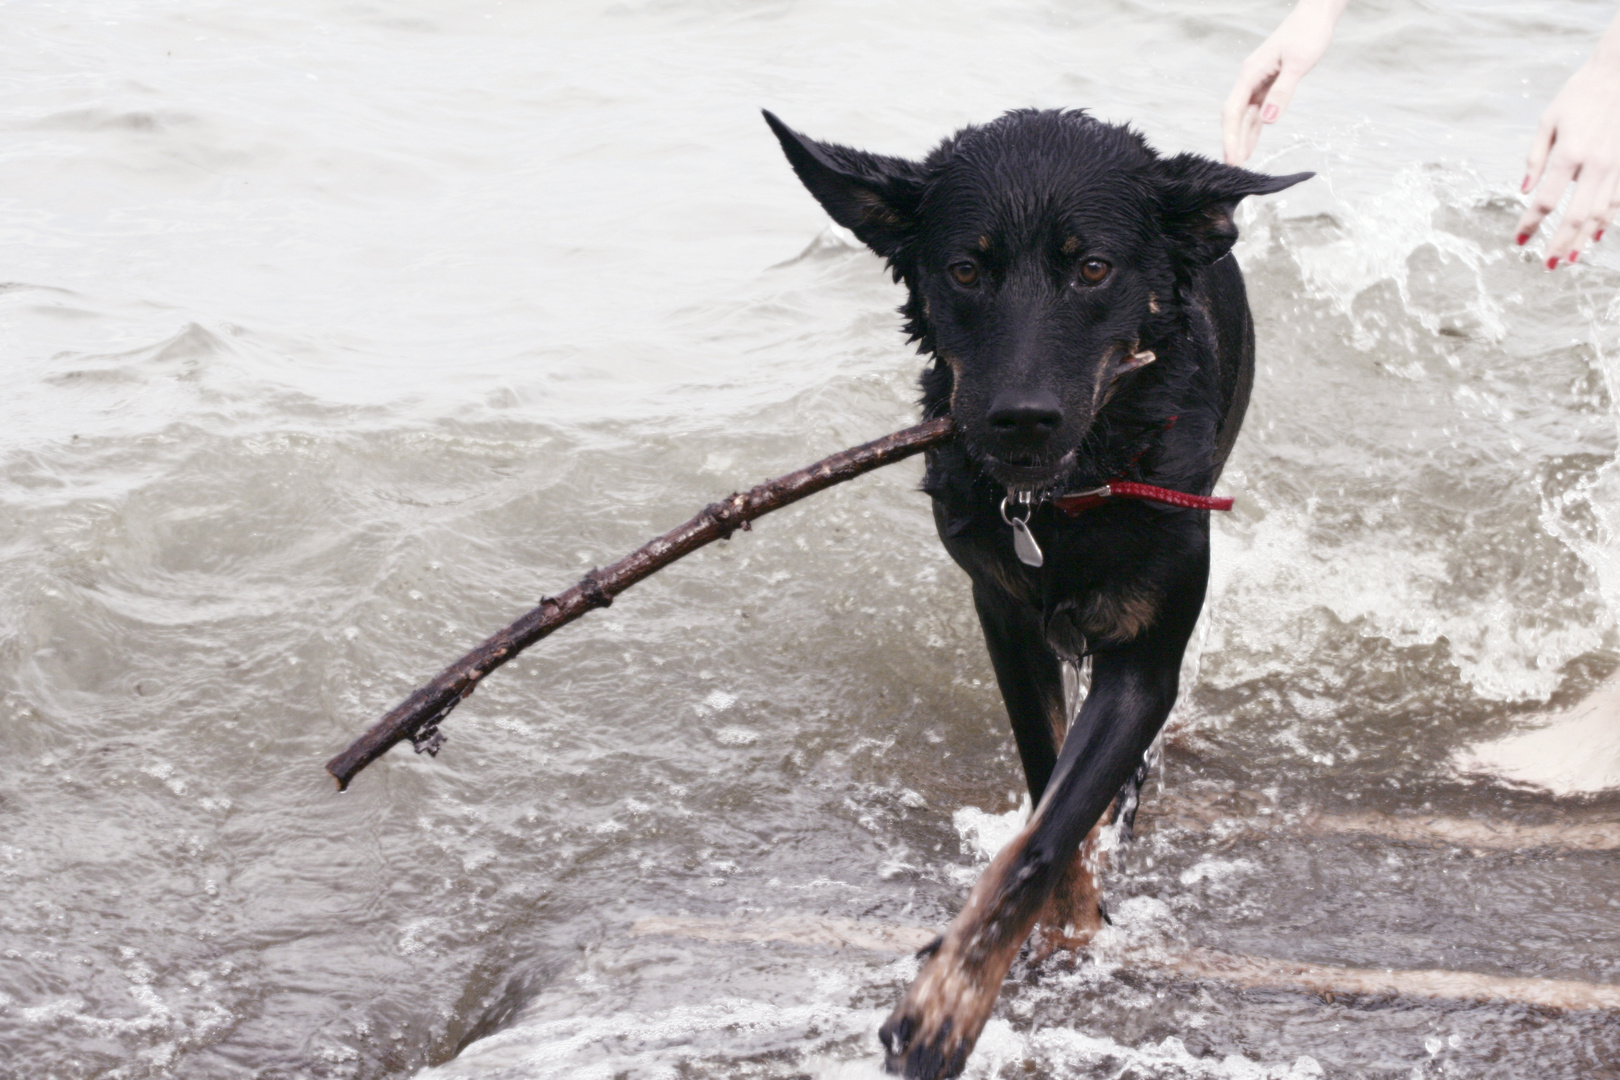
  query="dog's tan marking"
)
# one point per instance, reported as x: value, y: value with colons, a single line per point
x: 1057, y: 718
x: 1071, y: 245
x: 1118, y: 613
x: 1153, y: 302
x: 984, y: 243
x: 1073, y: 913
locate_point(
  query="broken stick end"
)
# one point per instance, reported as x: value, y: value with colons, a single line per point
x: 342, y: 770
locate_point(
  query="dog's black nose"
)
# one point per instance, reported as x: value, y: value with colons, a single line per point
x: 1028, y: 416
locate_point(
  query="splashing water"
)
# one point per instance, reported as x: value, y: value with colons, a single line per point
x: 337, y: 336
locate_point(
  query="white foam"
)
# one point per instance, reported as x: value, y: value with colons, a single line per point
x: 1587, y: 517
x: 655, y: 1046
x: 1381, y: 233
x: 678, y: 1041
x: 983, y: 833
x: 1218, y: 870
x: 1269, y: 574
x: 1076, y: 1049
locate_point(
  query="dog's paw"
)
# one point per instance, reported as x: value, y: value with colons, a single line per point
x: 918, y: 1050
x: 931, y: 1032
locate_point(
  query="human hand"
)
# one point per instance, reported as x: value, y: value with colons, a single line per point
x: 1577, y: 142
x: 1267, y: 78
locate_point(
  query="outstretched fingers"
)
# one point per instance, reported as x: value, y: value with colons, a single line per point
x: 1281, y: 93
x: 1240, y: 115
x: 1587, y: 214
x: 1268, y: 76
x: 1591, y: 207
x: 1577, y: 141
x: 1265, y: 85
x: 1540, y: 146
x: 1547, y: 192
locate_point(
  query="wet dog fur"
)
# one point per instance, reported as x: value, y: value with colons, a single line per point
x: 1084, y: 321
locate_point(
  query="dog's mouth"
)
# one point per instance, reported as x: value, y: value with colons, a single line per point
x: 1028, y: 474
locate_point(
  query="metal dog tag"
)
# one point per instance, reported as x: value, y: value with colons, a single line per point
x: 1029, y: 552
x: 1024, y: 545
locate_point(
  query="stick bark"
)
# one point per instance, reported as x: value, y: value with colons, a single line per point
x: 417, y: 717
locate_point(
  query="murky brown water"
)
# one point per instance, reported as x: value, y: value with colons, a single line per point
x: 335, y: 336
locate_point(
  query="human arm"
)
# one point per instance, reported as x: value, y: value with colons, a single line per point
x: 1268, y: 76
x: 1578, y: 142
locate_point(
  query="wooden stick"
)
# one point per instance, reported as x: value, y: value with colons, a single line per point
x: 417, y: 717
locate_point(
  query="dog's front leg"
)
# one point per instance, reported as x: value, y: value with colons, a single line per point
x: 1031, y: 680
x: 931, y: 1032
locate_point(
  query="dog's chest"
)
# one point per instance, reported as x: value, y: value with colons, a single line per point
x: 1099, y: 582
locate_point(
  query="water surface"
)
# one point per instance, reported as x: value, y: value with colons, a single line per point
x: 335, y: 335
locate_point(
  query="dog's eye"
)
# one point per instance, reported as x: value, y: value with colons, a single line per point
x: 964, y: 273
x: 1092, y: 271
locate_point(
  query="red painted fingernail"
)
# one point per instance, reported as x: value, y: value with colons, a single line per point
x: 1552, y: 264
x: 1572, y: 255
x: 1521, y: 238
x: 1598, y: 237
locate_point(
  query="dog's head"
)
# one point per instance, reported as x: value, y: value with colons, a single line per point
x: 1045, y: 254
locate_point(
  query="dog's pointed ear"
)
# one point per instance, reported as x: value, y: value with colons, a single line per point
x: 1198, y: 198
x: 873, y: 196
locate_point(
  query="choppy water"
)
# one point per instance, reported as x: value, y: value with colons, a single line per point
x: 334, y: 335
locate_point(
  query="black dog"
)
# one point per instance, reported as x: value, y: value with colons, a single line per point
x: 1087, y: 327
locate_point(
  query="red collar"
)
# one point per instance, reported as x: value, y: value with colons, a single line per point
x: 1076, y: 503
